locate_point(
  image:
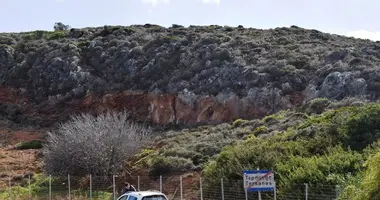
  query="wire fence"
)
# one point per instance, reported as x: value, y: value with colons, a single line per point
x: 176, y: 188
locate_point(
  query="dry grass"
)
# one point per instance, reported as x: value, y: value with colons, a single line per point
x: 18, y: 162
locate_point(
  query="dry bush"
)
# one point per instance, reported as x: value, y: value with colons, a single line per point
x: 93, y: 145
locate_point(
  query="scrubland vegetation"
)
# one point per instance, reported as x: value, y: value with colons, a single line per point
x: 336, y: 146
x: 339, y: 146
x: 328, y: 141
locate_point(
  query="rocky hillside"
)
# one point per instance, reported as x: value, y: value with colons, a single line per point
x: 178, y: 75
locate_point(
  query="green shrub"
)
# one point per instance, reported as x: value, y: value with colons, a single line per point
x: 96, y: 195
x: 195, y: 157
x: 325, y: 149
x: 17, y: 192
x: 83, y: 44
x: 292, y: 161
x: 363, y: 126
x: 206, y: 149
x: 34, y: 144
x: 274, y: 117
x: 319, y: 105
x: 55, y: 35
x: 356, y: 127
x: 319, y: 140
x: 39, y: 183
x: 238, y: 122
x: 34, y: 35
x: 162, y: 165
x: 370, y: 186
x: 317, y: 169
x: 259, y: 130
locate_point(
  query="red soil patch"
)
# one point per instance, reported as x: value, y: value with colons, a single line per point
x: 10, y: 95
x: 14, y: 137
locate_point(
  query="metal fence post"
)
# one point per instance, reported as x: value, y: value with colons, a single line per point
x: 49, y: 187
x: 222, y: 186
x: 160, y: 183
x: 336, y: 191
x: 90, y: 187
x: 259, y: 191
x: 275, y: 191
x: 10, y: 186
x: 201, y: 187
x: 29, y: 196
x: 114, y: 187
x: 306, y: 191
x: 180, y: 180
x: 68, y: 180
x: 138, y: 183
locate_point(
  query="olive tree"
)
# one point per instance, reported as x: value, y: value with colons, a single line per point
x: 59, y: 26
x: 97, y: 145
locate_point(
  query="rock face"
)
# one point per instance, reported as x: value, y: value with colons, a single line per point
x: 179, y: 75
x: 188, y: 108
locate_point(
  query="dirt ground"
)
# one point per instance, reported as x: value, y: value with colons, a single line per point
x: 15, y: 163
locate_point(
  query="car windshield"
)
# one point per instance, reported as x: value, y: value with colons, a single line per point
x: 154, y: 197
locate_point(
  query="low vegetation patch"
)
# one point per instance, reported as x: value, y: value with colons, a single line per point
x: 326, y: 149
x: 34, y: 144
x: 334, y: 147
x: 191, y: 149
x: 39, y: 188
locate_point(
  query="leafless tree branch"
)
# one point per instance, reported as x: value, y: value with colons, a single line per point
x: 96, y: 145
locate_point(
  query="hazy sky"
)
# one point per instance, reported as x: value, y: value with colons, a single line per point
x: 349, y: 17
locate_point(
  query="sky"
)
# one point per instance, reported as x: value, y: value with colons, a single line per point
x: 357, y: 18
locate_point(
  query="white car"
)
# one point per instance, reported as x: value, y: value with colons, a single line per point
x: 143, y: 195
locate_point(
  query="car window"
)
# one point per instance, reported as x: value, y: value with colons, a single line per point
x: 132, y: 198
x: 154, y: 197
x: 123, y: 198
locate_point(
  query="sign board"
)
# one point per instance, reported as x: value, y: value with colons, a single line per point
x: 259, y: 180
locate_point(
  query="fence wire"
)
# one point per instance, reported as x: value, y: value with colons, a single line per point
x: 175, y: 188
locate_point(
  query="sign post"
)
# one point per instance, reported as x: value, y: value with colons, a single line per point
x: 259, y: 180
x: 259, y: 191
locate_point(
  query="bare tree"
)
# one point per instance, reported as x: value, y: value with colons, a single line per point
x: 96, y: 145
